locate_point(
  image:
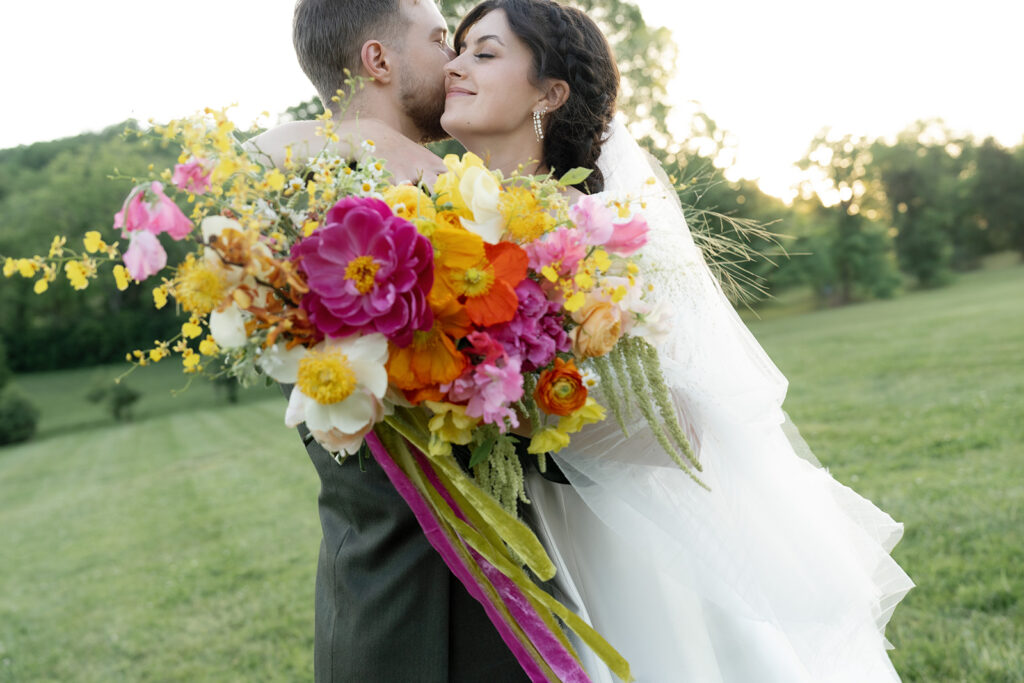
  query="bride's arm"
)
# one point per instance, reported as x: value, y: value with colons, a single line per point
x: 406, y: 160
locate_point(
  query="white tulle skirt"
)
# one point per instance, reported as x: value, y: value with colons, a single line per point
x: 779, y: 573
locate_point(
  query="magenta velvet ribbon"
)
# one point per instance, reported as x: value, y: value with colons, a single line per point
x: 561, y: 661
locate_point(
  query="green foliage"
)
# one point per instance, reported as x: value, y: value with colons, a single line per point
x: 303, y: 111
x: 118, y: 398
x: 64, y: 188
x: 996, y: 192
x: 18, y: 416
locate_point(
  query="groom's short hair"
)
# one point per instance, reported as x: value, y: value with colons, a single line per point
x: 328, y: 36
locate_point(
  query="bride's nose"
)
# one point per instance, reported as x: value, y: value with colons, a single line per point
x: 453, y: 69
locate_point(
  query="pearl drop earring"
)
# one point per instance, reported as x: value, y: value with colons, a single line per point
x: 538, y: 129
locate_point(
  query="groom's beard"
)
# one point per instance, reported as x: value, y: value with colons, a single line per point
x: 424, y: 105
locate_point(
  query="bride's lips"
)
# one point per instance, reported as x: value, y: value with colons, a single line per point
x: 458, y: 92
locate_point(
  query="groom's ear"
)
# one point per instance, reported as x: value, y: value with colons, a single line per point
x: 556, y: 92
x: 376, y: 61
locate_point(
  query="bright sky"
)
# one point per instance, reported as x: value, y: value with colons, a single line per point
x: 772, y: 73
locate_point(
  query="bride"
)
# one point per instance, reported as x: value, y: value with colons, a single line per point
x: 778, y: 573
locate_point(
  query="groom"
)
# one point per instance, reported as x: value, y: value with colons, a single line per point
x: 387, y: 607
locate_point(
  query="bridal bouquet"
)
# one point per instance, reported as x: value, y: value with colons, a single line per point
x: 411, y: 322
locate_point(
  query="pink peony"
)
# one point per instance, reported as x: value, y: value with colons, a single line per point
x: 491, y: 387
x: 193, y: 176
x: 368, y: 271
x: 628, y: 238
x: 145, y: 256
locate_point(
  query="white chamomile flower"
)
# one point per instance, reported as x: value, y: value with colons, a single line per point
x: 590, y: 377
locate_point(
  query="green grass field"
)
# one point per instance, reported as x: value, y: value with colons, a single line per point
x: 182, y: 546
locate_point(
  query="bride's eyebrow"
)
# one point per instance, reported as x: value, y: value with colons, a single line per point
x: 483, y: 39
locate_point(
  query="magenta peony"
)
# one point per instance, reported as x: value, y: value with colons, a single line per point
x: 368, y: 271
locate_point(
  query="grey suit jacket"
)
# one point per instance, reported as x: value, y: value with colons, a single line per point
x: 387, y: 607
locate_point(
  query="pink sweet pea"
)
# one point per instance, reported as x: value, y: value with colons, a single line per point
x: 490, y: 387
x: 593, y: 219
x: 628, y: 238
x: 167, y: 217
x: 134, y: 215
x: 145, y: 256
x: 153, y: 211
x: 193, y: 176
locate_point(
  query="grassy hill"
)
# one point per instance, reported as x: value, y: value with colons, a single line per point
x: 182, y: 546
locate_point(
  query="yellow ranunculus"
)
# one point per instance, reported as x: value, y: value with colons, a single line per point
x: 409, y: 202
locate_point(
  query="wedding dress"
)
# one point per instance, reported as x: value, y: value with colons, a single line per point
x: 778, y: 573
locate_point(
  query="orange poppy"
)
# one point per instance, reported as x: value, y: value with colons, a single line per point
x: 488, y: 287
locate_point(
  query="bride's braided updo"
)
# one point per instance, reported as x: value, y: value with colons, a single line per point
x: 566, y: 45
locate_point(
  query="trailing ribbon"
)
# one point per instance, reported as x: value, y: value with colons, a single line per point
x: 479, y: 542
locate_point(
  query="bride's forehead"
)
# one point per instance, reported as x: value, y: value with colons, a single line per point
x: 492, y: 23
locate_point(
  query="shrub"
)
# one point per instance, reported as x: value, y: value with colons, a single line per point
x: 18, y: 416
x: 5, y: 369
x: 119, y: 398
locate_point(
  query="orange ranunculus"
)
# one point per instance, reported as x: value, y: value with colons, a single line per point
x: 560, y: 390
x: 431, y: 359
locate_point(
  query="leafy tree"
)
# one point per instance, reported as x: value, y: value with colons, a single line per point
x: 997, y: 196
x: 860, y: 249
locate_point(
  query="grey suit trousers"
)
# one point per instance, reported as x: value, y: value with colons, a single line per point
x: 387, y: 607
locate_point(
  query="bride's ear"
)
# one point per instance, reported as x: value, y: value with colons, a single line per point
x: 556, y: 92
x: 376, y: 61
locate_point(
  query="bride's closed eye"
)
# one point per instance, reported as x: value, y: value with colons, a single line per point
x: 483, y: 55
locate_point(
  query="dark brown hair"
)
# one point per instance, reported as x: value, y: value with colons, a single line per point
x: 328, y: 36
x: 566, y: 45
